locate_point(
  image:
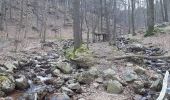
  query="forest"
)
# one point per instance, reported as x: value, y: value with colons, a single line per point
x: 84, y: 49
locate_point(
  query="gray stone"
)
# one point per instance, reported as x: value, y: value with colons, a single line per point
x: 74, y: 86
x: 2, y: 94
x: 84, y: 60
x: 99, y: 80
x: 81, y: 99
x: 109, y: 74
x: 130, y: 76
x: 140, y: 70
x: 57, y: 96
x: 114, y: 87
x: 67, y: 91
x: 22, y: 83
x: 56, y: 72
x: 96, y: 85
x: 156, y: 85
x: 10, y: 67
x: 129, y: 64
x: 65, y: 67
x: 94, y: 71
x: 139, y: 87
x: 7, y: 83
x: 85, y: 77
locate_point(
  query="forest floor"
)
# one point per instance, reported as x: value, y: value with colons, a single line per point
x: 104, y: 55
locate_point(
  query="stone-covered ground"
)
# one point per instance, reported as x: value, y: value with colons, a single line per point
x: 37, y: 74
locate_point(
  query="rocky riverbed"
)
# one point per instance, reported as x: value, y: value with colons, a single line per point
x: 48, y: 75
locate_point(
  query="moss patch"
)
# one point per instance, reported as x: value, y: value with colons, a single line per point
x: 155, y: 31
x: 71, y: 54
x: 3, y: 78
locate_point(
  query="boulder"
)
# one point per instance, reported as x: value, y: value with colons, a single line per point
x: 94, y: 71
x: 109, y: 74
x: 2, y: 94
x: 65, y: 67
x: 67, y: 91
x: 96, y: 85
x: 85, y: 77
x: 74, y: 86
x: 7, y: 83
x: 129, y: 64
x: 114, y: 87
x: 57, y: 82
x: 56, y: 72
x: 82, y: 57
x: 22, y: 82
x: 140, y: 70
x: 99, y: 80
x: 139, y: 87
x: 28, y: 96
x: 58, y: 96
x: 10, y: 66
x: 156, y: 85
x: 130, y: 76
x: 84, y: 61
x: 135, y: 47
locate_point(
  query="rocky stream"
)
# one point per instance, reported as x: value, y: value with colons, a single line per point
x: 50, y: 76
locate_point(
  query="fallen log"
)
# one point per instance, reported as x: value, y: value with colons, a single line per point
x: 141, y: 57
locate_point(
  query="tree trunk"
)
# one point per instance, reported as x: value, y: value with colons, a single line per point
x: 107, y: 20
x: 165, y: 2
x: 76, y: 24
x: 133, y: 17
x: 150, y: 17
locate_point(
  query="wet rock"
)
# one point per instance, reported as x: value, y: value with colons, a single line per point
x: 140, y: 70
x: 57, y: 96
x: 57, y: 82
x: 56, y: 72
x: 96, y: 85
x: 37, y: 81
x: 71, y: 81
x: 7, y: 83
x: 81, y: 99
x: 156, y: 85
x: 137, y: 97
x: 10, y: 66
x: 66, y: 77
x: 22, y: 82
x: 99, y: 80
x: 130, y: 76
x: 28, y: 96
x: 65, y: 67
x: 85, y: 77
x: 129, y: 64
x: 109, y: 74
x: 135, y: 47
x: 114, y: 87
x: 2, y: 94
x: 48, y: 71
x: 139, y: 87
x: 74, y: 86
x: 67, y: 91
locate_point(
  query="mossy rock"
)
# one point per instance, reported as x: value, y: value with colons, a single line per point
x: 7, y: 83
x: 155, y: 32
x: 82, y: 57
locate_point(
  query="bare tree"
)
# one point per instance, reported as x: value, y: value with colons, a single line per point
x: 150, y: 17
x: 133, y: 16
x: 76, y: 24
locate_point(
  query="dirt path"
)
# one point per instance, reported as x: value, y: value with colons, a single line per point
x: 103, y: 52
